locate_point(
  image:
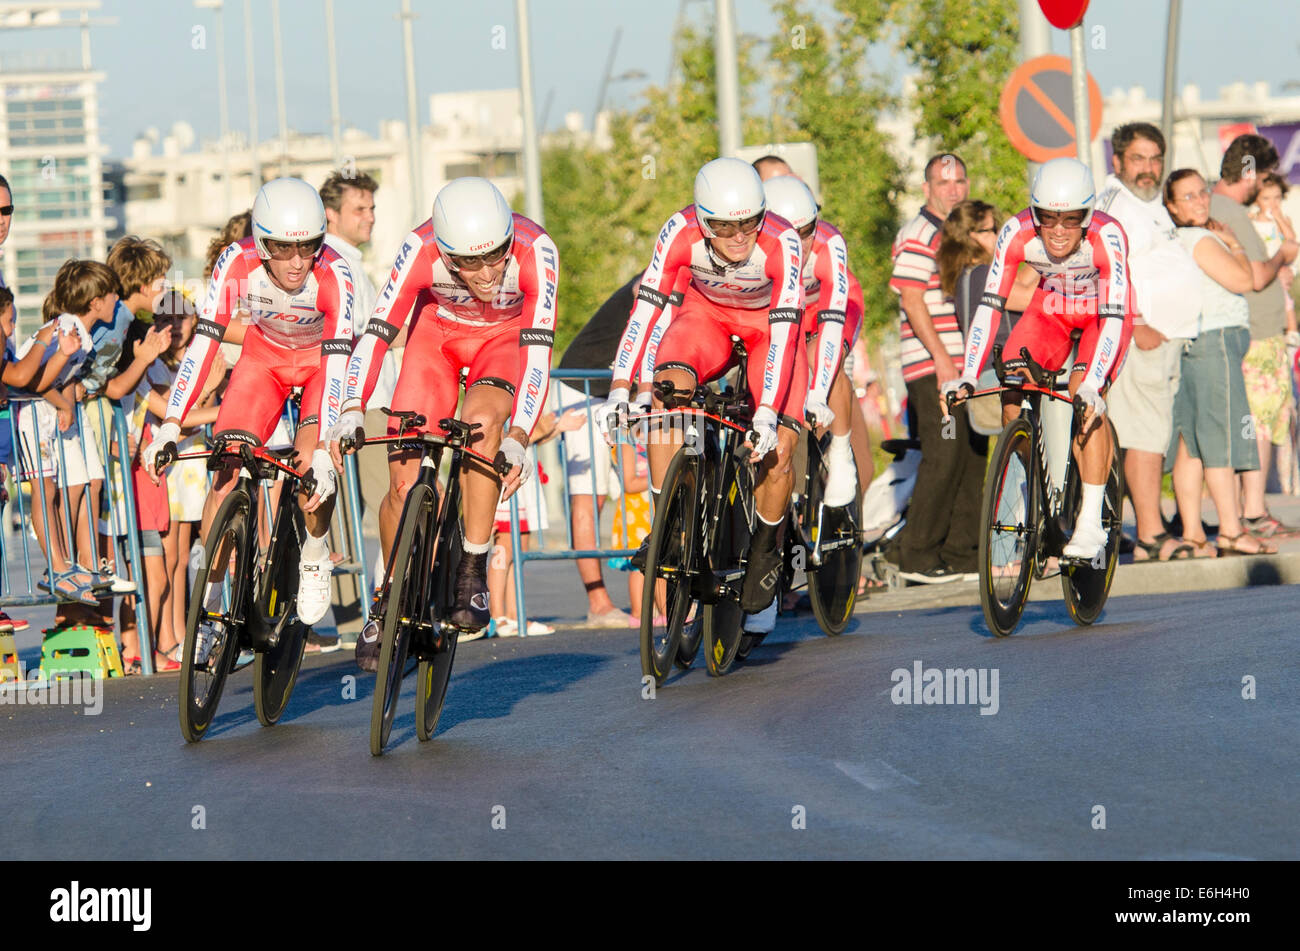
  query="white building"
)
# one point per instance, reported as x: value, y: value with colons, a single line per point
x: 178, y: 195
x: 53, y: 155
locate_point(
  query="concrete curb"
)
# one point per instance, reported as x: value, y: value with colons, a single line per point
x: 1168, y: 577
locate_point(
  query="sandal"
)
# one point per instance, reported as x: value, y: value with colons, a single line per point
x: 131, y: 666
x: 1202, y: 549
x: 1182, y: 551
x: 167, y: 662
x: 66, y: 589
x: 1228, y: 546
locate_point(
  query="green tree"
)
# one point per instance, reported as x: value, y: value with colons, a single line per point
x: 827, y: 95
x: 964, y: 51
x: 604, y: 207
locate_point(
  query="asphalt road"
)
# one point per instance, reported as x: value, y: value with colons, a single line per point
x: 799, y: 753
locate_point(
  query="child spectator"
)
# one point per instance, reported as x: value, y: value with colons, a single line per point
x: 49, y: 434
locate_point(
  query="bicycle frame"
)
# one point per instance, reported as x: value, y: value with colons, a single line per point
x: 257, y: 621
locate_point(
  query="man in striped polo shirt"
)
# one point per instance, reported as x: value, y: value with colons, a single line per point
x: 940, y: 541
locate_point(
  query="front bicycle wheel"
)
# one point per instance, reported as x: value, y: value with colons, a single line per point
x: 1008, y: 529
x: 204, y: 672
x: 670, y: 559
x: 405, y: 608
x: 723, y: 621
x: 833, y: 533
x: 1086, y: 588
x: 276, y: 671
x: 434, y: 672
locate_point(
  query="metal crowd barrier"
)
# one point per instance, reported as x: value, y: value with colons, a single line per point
x: 114, y: 469
x: 117, y: 475
x: 595, y: 443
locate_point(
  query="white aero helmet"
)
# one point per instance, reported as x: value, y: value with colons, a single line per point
x: 791, y: 199
x: 286, y: 209
x: 1063, y: 184
x: 727, y: 189
x: 471, y: 217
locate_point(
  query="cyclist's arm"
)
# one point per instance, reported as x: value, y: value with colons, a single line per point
x: 832, y: 271
x: 672, y: 253
x: 335, y: 300
x: 1008, y: 256
x: 784, y: 318
x: 229, y: 275
x: 412, y: 272
x: 539, y: 275
x: 1110, y: 254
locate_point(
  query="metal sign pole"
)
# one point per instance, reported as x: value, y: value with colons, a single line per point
x: 1079, y: 77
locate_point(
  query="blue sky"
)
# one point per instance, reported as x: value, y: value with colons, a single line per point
x: 155, y: 76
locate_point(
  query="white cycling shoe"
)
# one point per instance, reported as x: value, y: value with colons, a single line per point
x: 314, y: 590
x: 841, y: 479
x: 1088, y: 543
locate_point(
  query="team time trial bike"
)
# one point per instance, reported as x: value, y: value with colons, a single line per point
x: 420, y: 576
x: 1031, y: 501
x: 257, y: 575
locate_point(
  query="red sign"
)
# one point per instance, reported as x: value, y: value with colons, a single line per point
x: 1064, y: 14
x: 1037, y: 109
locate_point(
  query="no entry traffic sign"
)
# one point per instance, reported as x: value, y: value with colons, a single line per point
x: 1037, y: 109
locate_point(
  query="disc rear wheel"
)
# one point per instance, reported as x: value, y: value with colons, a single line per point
x: 276, y: 671
x: 723, y: 620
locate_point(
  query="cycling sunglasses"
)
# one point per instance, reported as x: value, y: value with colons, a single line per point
x: 288, y: 250
x: 475, y: 262
x: 729, y: 229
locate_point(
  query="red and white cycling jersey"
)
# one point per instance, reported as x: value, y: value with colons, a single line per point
x: 527, y: 295
x: 769, y: 279
x: 319, y: 314
x: 1092, y: 283
x: 828, y: 289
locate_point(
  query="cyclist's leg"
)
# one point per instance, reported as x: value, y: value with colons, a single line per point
x: 1044, y: 334
x: 774, y: 478
x: 431, y: 388
x: 1093, y: 448
x: 695, y: 348
x: 493, y: 361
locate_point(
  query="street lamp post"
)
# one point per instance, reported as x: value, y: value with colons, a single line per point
x: 336, y: 125
x: 252, y: 95
x: 223, y: 106
x: 532, y: 154
x: 412, y: 116
x: 279, y: 88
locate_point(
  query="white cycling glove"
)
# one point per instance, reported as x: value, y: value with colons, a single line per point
x: 347, y: 425
x: 322, y: 470
x: 613, y: 413
x: 764, y: 427
x: 1092, y: 400
x: 164, y: 434
x: 515, y: 455
x: 954, y: 387
x: 815, y: 406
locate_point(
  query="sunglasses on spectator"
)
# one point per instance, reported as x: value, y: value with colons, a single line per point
x: 476, y: 262
x: 6, y: 210
x: 729, y: 229
x: 984, y: 231
x: 288, y: 250
x: 808, y: 230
